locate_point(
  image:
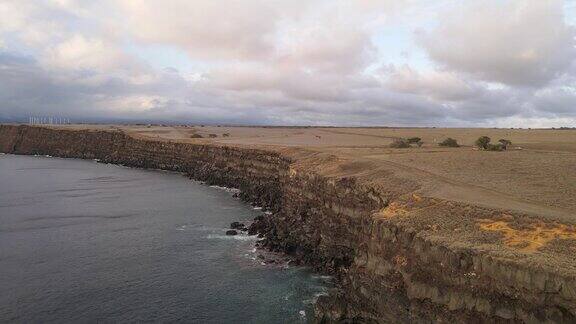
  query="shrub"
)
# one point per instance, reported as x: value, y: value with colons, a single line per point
x: 414, y: 140
x: 212, y: 135
x: 195, y: 136
x: 225, y: 135
x: 400, y: 143
x: 495, y: 147
x: 449, y: 142
x: 505, y: 143
x: 482, y: 142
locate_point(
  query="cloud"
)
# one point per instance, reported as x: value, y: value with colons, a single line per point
x: 216, y: 29
x: 522, y: 43
x: 557, y: 101
x: 313, y: 62
x: 81, y: 53
x: 437, y: 85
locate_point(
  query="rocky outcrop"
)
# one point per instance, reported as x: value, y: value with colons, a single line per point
x: 387, y: 269
x: 256, y: 173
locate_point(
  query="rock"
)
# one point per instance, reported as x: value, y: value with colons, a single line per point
x: 231, y: 232
x: 237, y: 225
x: 505, y: 313
x: 258, y: 226
x: 252, y: 230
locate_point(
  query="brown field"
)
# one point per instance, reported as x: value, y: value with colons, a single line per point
x: 537, y: 176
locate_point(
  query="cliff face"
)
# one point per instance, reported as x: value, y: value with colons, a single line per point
x: 387, y: 269
x: 255, y: 172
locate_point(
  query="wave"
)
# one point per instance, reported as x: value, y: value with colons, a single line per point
x: 315, y: 297
x: 233, y: 190
x: 238, y: 237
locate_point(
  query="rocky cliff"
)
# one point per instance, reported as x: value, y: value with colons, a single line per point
x: 397, y: 257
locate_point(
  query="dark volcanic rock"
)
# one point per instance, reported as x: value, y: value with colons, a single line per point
x: 238, y: 226
x: 231, y: 232
x: 253, y: 229
x: 259, y: 226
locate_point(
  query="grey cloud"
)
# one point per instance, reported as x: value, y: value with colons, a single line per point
x: 559, y: 102
x: 438, y: 85
x: 524, y: 43
x: 297, y: 62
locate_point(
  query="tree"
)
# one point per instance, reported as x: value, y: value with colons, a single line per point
x: 399, y: 143
x: 505, y: 143
x: 449, y: 142
x: 482, y: 142
x: 495, y: 147
x: 414, y: 140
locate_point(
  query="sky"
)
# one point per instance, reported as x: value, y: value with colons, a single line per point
x: 473, y: 63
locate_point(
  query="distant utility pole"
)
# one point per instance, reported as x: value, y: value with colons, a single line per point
x: 49, y: 120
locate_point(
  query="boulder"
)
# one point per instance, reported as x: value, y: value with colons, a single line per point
x: 253, y: 229
x: 258, y: 226
x: 231, y: 232
x: 237, y: 225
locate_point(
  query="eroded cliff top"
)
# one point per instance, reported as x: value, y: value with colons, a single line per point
x: 536, y: 176
x: 519, y: 204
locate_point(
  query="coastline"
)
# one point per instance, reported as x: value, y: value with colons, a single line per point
x: 60, y: 213
x: 387, y: 268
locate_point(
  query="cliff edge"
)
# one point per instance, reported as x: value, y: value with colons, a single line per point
x: 400, y: 252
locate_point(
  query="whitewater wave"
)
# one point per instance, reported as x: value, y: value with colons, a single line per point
x: 315, y: 297
x: 238, y: 237
x: 232, y: 190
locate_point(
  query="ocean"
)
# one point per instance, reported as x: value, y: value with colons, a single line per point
x: 82, y: 241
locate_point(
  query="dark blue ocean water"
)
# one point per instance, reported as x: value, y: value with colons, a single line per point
x: 87, y: 242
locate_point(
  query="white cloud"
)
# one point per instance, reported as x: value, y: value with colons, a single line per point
x: 438, y: 85
x: 79, y: 52
x: 523, y: 42
x: 211, y: 30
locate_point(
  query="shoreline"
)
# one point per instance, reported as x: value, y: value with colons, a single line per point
x: 262, y: 256
x: 388, y: 268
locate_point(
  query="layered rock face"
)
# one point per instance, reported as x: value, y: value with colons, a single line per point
x: 387, y: 269
x: 255, y: 173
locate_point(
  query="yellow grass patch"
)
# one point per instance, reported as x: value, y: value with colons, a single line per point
x: 530, y: 239
x: 394, y: 209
